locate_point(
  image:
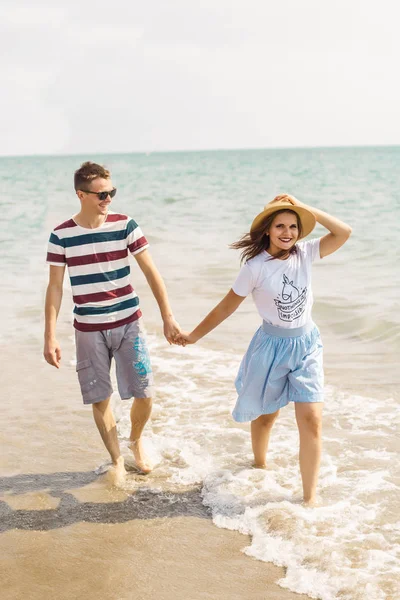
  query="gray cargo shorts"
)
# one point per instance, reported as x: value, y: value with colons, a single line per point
x: 94, y: 351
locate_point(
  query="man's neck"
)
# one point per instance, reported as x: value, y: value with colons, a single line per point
x: 89, y: 221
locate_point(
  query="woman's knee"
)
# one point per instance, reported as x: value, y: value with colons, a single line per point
x: 310, y: 422
x: 266, y: 420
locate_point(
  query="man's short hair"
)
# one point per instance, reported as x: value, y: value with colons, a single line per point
x: 87, y: 172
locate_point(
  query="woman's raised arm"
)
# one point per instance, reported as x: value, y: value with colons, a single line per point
x: 339, y: 232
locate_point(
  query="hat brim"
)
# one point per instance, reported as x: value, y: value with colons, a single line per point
x: 307, y: 218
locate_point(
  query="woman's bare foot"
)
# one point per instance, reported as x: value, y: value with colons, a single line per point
x: 142, y: 463
x: 311, y: 503
x: 257, y: 466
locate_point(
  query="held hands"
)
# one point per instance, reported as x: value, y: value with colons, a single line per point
x: 171, y: 329
x: 184, y: 338
x: 175, y: 335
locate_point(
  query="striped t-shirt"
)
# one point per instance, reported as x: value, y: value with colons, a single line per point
x: 98, y: 267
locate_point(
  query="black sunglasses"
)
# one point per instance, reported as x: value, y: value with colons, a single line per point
x: 102, y: 195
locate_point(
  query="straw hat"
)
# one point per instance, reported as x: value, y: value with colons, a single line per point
x: 307, y: 218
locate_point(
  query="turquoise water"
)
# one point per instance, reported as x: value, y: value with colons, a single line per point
x: 191, y: 206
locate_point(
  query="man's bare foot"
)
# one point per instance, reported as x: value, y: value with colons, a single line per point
x: 117, y: 473
x: 142, y: 463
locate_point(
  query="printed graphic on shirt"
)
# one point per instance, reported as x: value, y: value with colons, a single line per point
x: 142, y: 363
x: 292, y: 302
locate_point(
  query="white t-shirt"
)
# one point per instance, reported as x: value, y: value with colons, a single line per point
x: 281, y: 289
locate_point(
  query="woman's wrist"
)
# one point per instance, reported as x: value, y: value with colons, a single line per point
x: 194, y: 337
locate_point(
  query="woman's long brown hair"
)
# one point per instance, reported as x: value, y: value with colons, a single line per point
x: 257, y: 240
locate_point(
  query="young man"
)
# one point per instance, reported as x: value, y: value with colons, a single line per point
x: 94, y: 245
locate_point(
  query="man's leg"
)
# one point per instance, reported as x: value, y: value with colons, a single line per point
x: 140, y: 413
x: 135, y: 378
x: 107, y: 427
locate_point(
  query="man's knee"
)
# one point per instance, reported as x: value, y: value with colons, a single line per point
x: 140, y: 411
x: 102, y: 406
x: 142, y: 402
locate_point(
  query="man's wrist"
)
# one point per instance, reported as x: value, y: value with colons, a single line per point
x: 167, y: 317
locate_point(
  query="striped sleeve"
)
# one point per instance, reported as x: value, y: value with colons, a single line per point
x: 56, y: 251
x: 135, y: 239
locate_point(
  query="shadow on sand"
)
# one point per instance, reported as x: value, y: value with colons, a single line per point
x: 143, y: 503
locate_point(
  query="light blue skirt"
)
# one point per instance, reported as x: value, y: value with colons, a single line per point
x: 280, y: 365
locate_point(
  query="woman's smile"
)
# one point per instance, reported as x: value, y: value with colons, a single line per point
x: 283, y: 232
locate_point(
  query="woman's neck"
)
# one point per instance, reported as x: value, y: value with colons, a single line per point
x: 276, y: 253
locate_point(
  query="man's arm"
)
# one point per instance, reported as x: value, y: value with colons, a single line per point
x: 52, y: 350
x: 157, y: 285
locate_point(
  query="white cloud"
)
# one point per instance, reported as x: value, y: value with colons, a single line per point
x: 20, y: 16
x: 126, y: 76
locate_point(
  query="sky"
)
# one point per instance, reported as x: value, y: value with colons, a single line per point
x: 161, y: 75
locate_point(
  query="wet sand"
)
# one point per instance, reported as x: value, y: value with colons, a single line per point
x: 65, y: 533
x: 167, y: 558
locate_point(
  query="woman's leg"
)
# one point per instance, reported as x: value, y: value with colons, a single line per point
x: 309, y: 422
x: 260, y: 432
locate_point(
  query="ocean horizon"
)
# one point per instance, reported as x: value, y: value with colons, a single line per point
x: 195, y: 150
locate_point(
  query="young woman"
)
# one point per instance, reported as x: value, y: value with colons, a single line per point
x: 284, y: 359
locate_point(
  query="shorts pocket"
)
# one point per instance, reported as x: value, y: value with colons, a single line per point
x: 86, y: 375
